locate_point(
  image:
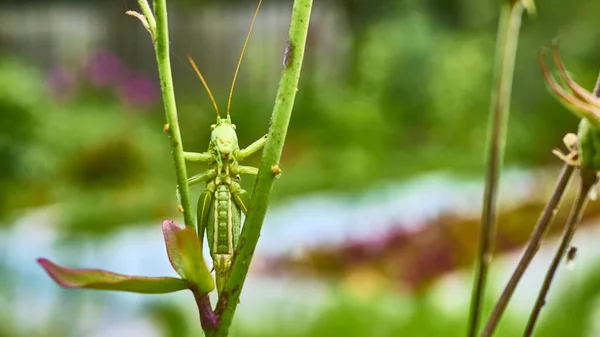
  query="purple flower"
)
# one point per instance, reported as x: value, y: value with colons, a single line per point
x: 61, y: 83
x: 138, y: 91
x: 104, y: 69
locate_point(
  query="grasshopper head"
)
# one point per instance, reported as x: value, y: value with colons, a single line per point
x: 223, y: 137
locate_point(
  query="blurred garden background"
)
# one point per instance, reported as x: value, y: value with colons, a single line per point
x: 372, y: 228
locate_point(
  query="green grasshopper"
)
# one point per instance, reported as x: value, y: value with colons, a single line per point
x: 222, y: 201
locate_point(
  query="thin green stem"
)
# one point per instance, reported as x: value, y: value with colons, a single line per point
x: 159, y: 31
x: 588, y: 180
x: 145, y: 7
x: 269, y: 168
x: 506, y: 50
x: 161, y: 47
x: 540, y: 230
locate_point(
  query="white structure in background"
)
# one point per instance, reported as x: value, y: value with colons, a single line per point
x: 51, y: 34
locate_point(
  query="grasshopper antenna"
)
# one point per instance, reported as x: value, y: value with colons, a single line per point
x: 205, y: 85
x: 241, y: 57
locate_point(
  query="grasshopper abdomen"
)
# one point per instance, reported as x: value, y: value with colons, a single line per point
x: 222, y: 230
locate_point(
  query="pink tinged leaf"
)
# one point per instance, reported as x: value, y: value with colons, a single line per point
x: 185, y: 253
x: 105, y: 280
x: 170, y: 229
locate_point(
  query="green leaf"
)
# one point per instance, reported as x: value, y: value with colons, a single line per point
x: 185, y: 253
x: 105, y: 280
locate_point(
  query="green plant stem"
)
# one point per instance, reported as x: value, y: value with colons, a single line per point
x: 269, y: 168
x: 161, y: 46
x: 533, y: 245
x: 147, y: 12
x: 588, y: 180
x: 506, y: 50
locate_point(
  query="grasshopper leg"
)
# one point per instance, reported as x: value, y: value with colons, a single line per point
x: 242, y: 169
x: 204, y: 157
x: 204, y: 176
x: 252, y: 148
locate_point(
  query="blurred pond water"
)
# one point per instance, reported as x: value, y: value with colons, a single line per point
x: 290, y: 227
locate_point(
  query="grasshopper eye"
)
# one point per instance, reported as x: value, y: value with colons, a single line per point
x: 233, y: 126
x: 212, y: 127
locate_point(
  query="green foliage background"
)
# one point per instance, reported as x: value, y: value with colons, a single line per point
x: 411, y: 97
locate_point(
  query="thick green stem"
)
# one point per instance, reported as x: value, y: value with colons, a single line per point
x: 506, y: 50
x: 269, y: 168
x: 541, y: 228
x: 588, y: 180
x: 161, y: 46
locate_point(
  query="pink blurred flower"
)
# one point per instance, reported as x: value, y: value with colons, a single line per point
x: 138, y: 91
x: 104, y: 69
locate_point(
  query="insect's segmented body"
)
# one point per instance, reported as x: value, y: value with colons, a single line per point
x: 225, y: 214
x: 223, y: 200
x: 223, y: 217
x: 221, y: 204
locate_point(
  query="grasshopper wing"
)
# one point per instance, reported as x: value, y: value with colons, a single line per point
x: 242, y: 199
x: 204, y: 205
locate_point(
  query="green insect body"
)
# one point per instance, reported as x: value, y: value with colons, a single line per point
x: 223, y: 200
